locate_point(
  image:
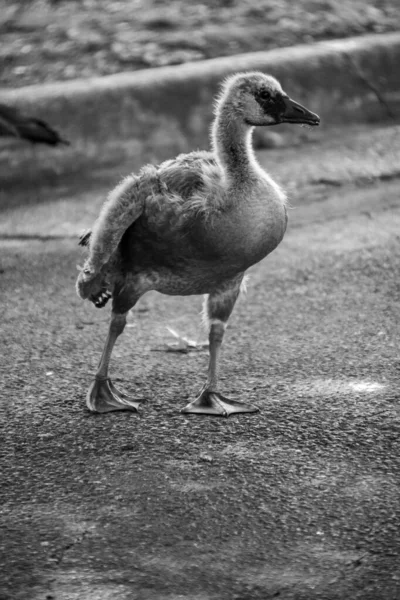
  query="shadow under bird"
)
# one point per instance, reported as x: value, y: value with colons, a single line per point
x: 13, y: 123
x: 192, y: 225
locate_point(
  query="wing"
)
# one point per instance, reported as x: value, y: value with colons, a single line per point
x: 123, y: 207
x: 185, y: 175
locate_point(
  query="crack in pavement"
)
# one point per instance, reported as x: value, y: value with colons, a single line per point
x: 326, y: 184
x: 58, y: 555
x: 364, y: 78
x: 36, y: 237
x: 358, y: 180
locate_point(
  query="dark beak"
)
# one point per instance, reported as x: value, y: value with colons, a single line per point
x: 296, y: 113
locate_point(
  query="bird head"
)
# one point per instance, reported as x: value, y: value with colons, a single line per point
x: 258, y: 99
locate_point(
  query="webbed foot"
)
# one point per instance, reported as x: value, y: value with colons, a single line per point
x: 103, y: 397
x: 89, y: 282
x: 214, y: 403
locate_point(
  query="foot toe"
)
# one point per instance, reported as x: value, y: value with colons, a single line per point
x: 214, y: 403
x: 103, y: 397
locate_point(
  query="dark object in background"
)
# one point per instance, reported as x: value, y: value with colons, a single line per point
x: 15, y: 124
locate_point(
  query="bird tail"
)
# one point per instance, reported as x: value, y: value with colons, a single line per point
x: 122, y: 208
x: 85, y: 238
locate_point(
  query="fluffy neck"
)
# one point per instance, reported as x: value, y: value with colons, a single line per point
x: 232, y: 144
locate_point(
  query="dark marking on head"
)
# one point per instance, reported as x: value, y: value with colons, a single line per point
x: 272, y: 105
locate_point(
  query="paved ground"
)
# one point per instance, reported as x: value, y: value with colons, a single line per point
x: 297, y: 502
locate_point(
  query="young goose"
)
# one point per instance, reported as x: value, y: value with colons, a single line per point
x: 192, y: 225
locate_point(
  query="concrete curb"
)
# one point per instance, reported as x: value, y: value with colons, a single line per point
x: 155, y: 113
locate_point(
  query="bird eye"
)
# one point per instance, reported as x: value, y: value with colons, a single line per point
x: 264, y: 95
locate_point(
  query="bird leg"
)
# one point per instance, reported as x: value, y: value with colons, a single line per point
x: 102, y: 395
x: 210, y: 401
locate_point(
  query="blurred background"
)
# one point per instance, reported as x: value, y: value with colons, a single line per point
x: 54, y: 40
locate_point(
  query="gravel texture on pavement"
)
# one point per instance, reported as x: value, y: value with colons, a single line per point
x: 298, y: 502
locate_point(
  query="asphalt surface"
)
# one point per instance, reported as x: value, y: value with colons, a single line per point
x: 300, y: 501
